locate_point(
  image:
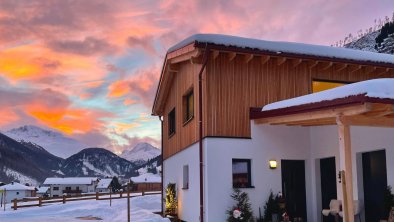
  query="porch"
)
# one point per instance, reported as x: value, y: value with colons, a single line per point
x: 357, y: 116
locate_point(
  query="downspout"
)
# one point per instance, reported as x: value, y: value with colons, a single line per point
x: 200, y: 123
x: 162, y: 167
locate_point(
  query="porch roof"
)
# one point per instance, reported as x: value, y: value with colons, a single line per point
x: 368, y: 103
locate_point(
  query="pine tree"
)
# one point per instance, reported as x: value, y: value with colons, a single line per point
x: 242, y: 206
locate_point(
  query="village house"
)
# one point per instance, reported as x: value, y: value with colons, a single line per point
x: 104, y: 185
x: 222, y: 128
x: 146, y: 182
x: 16, y: 190
x: 43, y: 192
x: 71, y: 185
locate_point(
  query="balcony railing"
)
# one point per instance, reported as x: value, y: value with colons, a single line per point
x: 72, y: 191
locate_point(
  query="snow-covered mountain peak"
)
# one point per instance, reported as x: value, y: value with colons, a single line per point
x: 54, y: 142
x: 141, y: 153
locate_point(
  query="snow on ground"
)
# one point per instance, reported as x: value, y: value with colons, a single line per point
x: 142, y: 209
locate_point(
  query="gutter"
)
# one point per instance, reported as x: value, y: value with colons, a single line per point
x: 162, y: 167
x: 200, y: 124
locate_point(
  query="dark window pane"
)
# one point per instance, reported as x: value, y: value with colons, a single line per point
x: 241, y: 173
x: 171, y: 122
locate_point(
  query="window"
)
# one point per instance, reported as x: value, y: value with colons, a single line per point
x: 55, y: 188
x: 68, y: 188
x: 17, y: 193
x: 188, y: 106
x: 241, y: 173
x: 321, y: 85
x: 171, y: 122
x: 77, y: 188
x: 186, y: 177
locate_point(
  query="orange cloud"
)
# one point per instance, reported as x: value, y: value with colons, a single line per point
x: 7, y: 116
x: 118, y: 88
x: 128, y: 102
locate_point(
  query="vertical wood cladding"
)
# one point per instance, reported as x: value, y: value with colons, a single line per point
x: 230, y: 88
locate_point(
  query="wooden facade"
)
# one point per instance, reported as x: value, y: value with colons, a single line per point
x: 233, y: 82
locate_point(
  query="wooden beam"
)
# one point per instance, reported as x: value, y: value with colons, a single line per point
x: 296, y: 62
x: 381, y: 71
x: 281, y: 60
x: 265, y: 59
x: 355, y: 68
x: 316, y: 115
x: 215, y: 54
x: 173, y: 68
x: 247, y: 58
x: 345, y: 159
x: 186, y: 56
x: 312, y: 64
x: 369, y: 121
x: 379, y: 110
x: 327, y: 66
x: 340, y: 67
x: 369, y: 69
x: 231, y: 56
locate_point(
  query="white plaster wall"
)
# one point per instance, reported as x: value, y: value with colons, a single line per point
x: 16, y: 194
x: 324, y: 143
x: 278, y: 142
x: 188, y: 200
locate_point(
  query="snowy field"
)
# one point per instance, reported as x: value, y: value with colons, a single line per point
x: 142, y: 209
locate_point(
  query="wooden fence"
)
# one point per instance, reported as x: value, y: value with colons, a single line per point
x: 63, y: 199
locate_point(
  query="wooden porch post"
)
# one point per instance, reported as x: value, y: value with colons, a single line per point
x: 345, y: 158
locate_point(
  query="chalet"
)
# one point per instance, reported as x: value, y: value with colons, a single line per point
x: 104, y: 185
x: 146, y: 182
x: 43, y: 192
x: 224, y: 127
x: 71, y: 185
x: 16, y: 190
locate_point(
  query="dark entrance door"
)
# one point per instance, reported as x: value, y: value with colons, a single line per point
x: 375, y: 182
x: 328, y: 184
x: 293, y: 187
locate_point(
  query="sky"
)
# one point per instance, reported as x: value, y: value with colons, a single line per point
x: 90, y: 68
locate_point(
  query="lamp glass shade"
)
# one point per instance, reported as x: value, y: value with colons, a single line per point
x: 272, y: 164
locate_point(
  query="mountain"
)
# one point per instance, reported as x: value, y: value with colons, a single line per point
x: 381, y: 40
x: 97, y: 162
x: 141, y: 153
x: 26, y: 162
x: 54, y: 142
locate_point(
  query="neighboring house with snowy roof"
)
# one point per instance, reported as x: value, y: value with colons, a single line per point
x: 103, y: 185
x: 146, y: 182
x: 16, y: 190
x: 71, y: 185
x: 43, y: 192
x: 216, y: 137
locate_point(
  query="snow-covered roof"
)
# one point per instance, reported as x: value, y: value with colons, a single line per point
x: 375, y: 88
x: 147, y: 178
x: 70, y: 180
x: 104, y: 183
x: 286, y: 47
x: 42, y: 189
x: 15, y: 186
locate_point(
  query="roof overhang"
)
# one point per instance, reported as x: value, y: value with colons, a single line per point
x: 193, y: 52
x: 359, y: 110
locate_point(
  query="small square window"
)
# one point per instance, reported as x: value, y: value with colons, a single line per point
x: 186, y: 177
x: 241, y: 173
x: 171, y: 122
x: 188, y: 106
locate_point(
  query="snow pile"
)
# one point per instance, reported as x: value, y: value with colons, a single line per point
x: 70, y: 180
x: 141, y: 211
x: 375, y: 88
x: 286, y: 47
x: 147, y: 178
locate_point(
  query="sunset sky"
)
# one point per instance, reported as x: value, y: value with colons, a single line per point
x: 90, y: 68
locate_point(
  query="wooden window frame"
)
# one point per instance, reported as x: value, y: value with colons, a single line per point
x: 249, y: 163
x: 188, y: 115
x: 171, y: 126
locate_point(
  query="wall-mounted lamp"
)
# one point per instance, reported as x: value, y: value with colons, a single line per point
x: 273, y: 164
